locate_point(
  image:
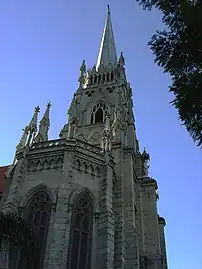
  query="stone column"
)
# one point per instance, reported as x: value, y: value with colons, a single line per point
x: 151, y: 226
x: 119, y: 225
x: 131, y: 237
x: 105, y: 240
x: 118, y: 207
x: 139, y: 215
x: 162, y: 224
x: 60, y: 239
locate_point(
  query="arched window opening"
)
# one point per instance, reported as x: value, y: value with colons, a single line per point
x: 99, y: 113
x: 107, y: 77
x: 92, y: 118
x: 99, y: 78
x: 37, y: 213
x: 91, y: 80
x: 112, y: 75
x: 103, y: 77
x: 80, y: 243
x: 95, y: 79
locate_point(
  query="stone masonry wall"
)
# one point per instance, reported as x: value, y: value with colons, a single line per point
x: 131, y: 236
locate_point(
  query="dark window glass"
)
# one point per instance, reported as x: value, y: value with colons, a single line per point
x: 108, y: 77
x: 92, y: 118
x: 80, y: 244
x: 37, y: 213
x: 99, y: 115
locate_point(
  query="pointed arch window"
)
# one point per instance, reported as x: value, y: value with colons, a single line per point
x: 80, y: 243
x: 37, y: 213
x: 99, y: 113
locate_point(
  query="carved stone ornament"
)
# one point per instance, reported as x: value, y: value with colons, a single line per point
x: 82, y: 136
x: 145, y: 166
x: 45, y: 164
x: 87, y: 167
x: 94, y: 138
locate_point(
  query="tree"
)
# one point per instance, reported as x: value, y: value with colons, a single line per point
x: 178, y: 50
x: 17, y: 232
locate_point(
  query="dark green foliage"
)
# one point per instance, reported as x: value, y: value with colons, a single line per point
x: 15, y: 231
x: 178, y: 50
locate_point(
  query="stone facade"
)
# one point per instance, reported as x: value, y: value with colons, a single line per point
x: 97, y: 154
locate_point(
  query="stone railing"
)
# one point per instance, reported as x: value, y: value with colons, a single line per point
x: 47, y: 144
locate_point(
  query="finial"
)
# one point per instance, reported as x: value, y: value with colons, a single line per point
x: 108, y: 10
x: 37, y: 109
x: 48, y: 105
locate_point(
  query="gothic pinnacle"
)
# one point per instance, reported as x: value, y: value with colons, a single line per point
x: 44, y: 126
x: 32, y: 127
x: 29, y: 131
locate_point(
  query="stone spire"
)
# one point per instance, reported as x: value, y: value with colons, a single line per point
x: 44, y: 126
x: 107, y: 53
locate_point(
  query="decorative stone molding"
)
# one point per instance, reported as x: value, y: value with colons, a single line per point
x: 76, y: 193
x: 47, y: 163
x: 82, y: 136
x: 87, y: 167
x: 95, y: 138
x: 49, y: 144
x: 40, y: 187
x: 88, y: 147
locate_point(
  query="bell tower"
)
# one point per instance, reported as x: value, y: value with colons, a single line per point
x: 103, y: 93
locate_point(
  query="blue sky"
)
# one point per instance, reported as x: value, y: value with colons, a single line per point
x: 42, y: 46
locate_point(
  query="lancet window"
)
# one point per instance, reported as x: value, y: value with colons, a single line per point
x: 80, y: 243
x: 37, y: 213
x: 99, y: 113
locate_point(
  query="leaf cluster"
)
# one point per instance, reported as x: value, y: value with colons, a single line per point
x: 15, y: 231
x: 178, y: 50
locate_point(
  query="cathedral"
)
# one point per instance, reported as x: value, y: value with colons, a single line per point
x: 88, y: 194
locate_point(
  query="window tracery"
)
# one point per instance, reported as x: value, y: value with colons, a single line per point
x: 37, y: 213
x: 80, y: 244
x: 99, y: 113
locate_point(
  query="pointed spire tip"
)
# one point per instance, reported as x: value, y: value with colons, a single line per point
x: 107, y: 53
x: 108, y: 9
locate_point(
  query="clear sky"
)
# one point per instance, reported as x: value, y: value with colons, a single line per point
x: 42, y: 46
